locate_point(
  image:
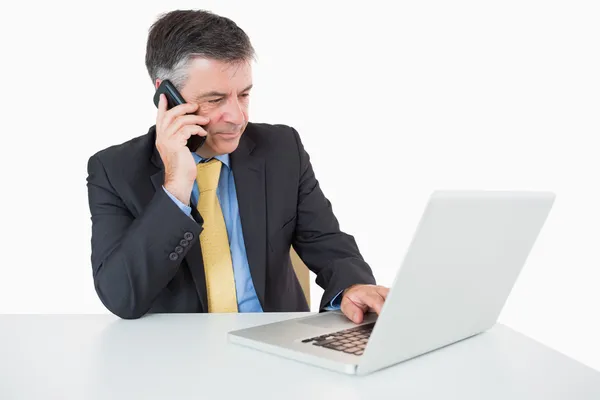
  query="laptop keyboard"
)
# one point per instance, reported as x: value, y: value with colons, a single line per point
x: 351, y: 341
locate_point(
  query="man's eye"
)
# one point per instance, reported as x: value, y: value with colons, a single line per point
x: 214, y: 101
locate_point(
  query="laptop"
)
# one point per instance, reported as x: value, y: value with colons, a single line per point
x: 462, y: 263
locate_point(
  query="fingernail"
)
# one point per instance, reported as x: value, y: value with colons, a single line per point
x: 355, y: 317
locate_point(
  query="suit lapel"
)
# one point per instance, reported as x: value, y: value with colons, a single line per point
x: 250, y: 185
x: 194, y: 255
x: 158, y: 179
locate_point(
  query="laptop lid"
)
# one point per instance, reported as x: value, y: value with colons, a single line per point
x: 458, y: 272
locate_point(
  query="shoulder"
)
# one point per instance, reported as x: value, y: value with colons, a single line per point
x: 271, y: 132
x: 273, y: 137
x: 127, y: 157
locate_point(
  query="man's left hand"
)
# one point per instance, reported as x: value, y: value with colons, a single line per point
x: 359, y: 299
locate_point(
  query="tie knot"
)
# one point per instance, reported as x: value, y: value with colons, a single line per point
x: 207, y: 175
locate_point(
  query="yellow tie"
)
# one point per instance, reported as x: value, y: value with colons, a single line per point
x: 218, y: 267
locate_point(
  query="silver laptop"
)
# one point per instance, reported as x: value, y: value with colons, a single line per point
x: 463, y: 261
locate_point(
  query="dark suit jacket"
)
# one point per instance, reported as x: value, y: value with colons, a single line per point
x: 146, y: 255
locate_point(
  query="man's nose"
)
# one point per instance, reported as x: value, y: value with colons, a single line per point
x: 234, y: 113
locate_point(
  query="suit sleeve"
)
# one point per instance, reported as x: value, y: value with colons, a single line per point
x: 330, y: 253
x: 133, y: 259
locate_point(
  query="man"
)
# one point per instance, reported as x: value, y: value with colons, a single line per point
x: 211, y: 230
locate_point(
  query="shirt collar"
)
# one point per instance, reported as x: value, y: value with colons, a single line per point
x: 224, y: 158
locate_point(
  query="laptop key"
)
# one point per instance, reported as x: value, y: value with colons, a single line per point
x: 359, y: 353
x: 351, y: 350
x: 336, y: 347
x: 324, y: 342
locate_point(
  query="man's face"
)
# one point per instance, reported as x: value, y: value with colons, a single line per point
x: 222, y: 92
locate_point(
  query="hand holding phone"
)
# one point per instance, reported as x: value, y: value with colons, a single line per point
x: 174, y: 128
x: 174, y: 99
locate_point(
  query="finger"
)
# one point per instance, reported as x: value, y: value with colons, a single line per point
x: 162, y: 104
x: 372, y: 299
x: 162, y: 109
x: 185, y: 120
x: 352, y: 310
x: 185, y: 132
x: 169, y: 116
x: 382, y: 291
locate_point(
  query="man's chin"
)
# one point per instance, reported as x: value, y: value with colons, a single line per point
x: 225, y: 145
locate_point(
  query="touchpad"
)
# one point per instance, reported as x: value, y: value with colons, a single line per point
x: 325, y: 320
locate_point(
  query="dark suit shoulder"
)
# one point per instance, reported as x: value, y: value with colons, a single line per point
x: 140, y: 146
x: 269, y: 137
x: 128, y: 157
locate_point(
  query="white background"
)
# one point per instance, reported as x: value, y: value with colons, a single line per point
x: 410, y: 98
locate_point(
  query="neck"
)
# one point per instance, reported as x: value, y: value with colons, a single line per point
x: 206, y: 152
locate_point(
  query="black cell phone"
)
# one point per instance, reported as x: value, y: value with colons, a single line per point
x: 174, y: 98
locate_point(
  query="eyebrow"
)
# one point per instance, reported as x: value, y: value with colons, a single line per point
x: 218, y: 94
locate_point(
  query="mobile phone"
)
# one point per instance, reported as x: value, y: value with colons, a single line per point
x: 174, y: 98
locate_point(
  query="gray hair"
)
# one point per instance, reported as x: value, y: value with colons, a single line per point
x: 178, y: 37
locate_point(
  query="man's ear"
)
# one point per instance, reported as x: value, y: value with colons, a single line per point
x: 157, y: 83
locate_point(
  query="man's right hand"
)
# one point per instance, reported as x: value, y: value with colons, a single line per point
x: 173, y: 129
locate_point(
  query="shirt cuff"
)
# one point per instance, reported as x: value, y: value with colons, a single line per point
x: 335, y: 303
x: 184, y: 207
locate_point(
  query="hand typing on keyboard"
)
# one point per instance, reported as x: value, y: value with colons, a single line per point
x: 359, y: 299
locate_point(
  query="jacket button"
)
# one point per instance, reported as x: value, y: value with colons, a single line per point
x: 178, y: 249
x: 184, y: 243
x: 173, y: 256
x: 188, y: 236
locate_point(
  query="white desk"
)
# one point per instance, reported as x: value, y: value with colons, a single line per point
x: 188, y: 356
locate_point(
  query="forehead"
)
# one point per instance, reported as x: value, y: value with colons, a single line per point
x: 211, y: 74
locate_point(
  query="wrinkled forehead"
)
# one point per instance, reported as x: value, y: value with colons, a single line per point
x: 208, y: 75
